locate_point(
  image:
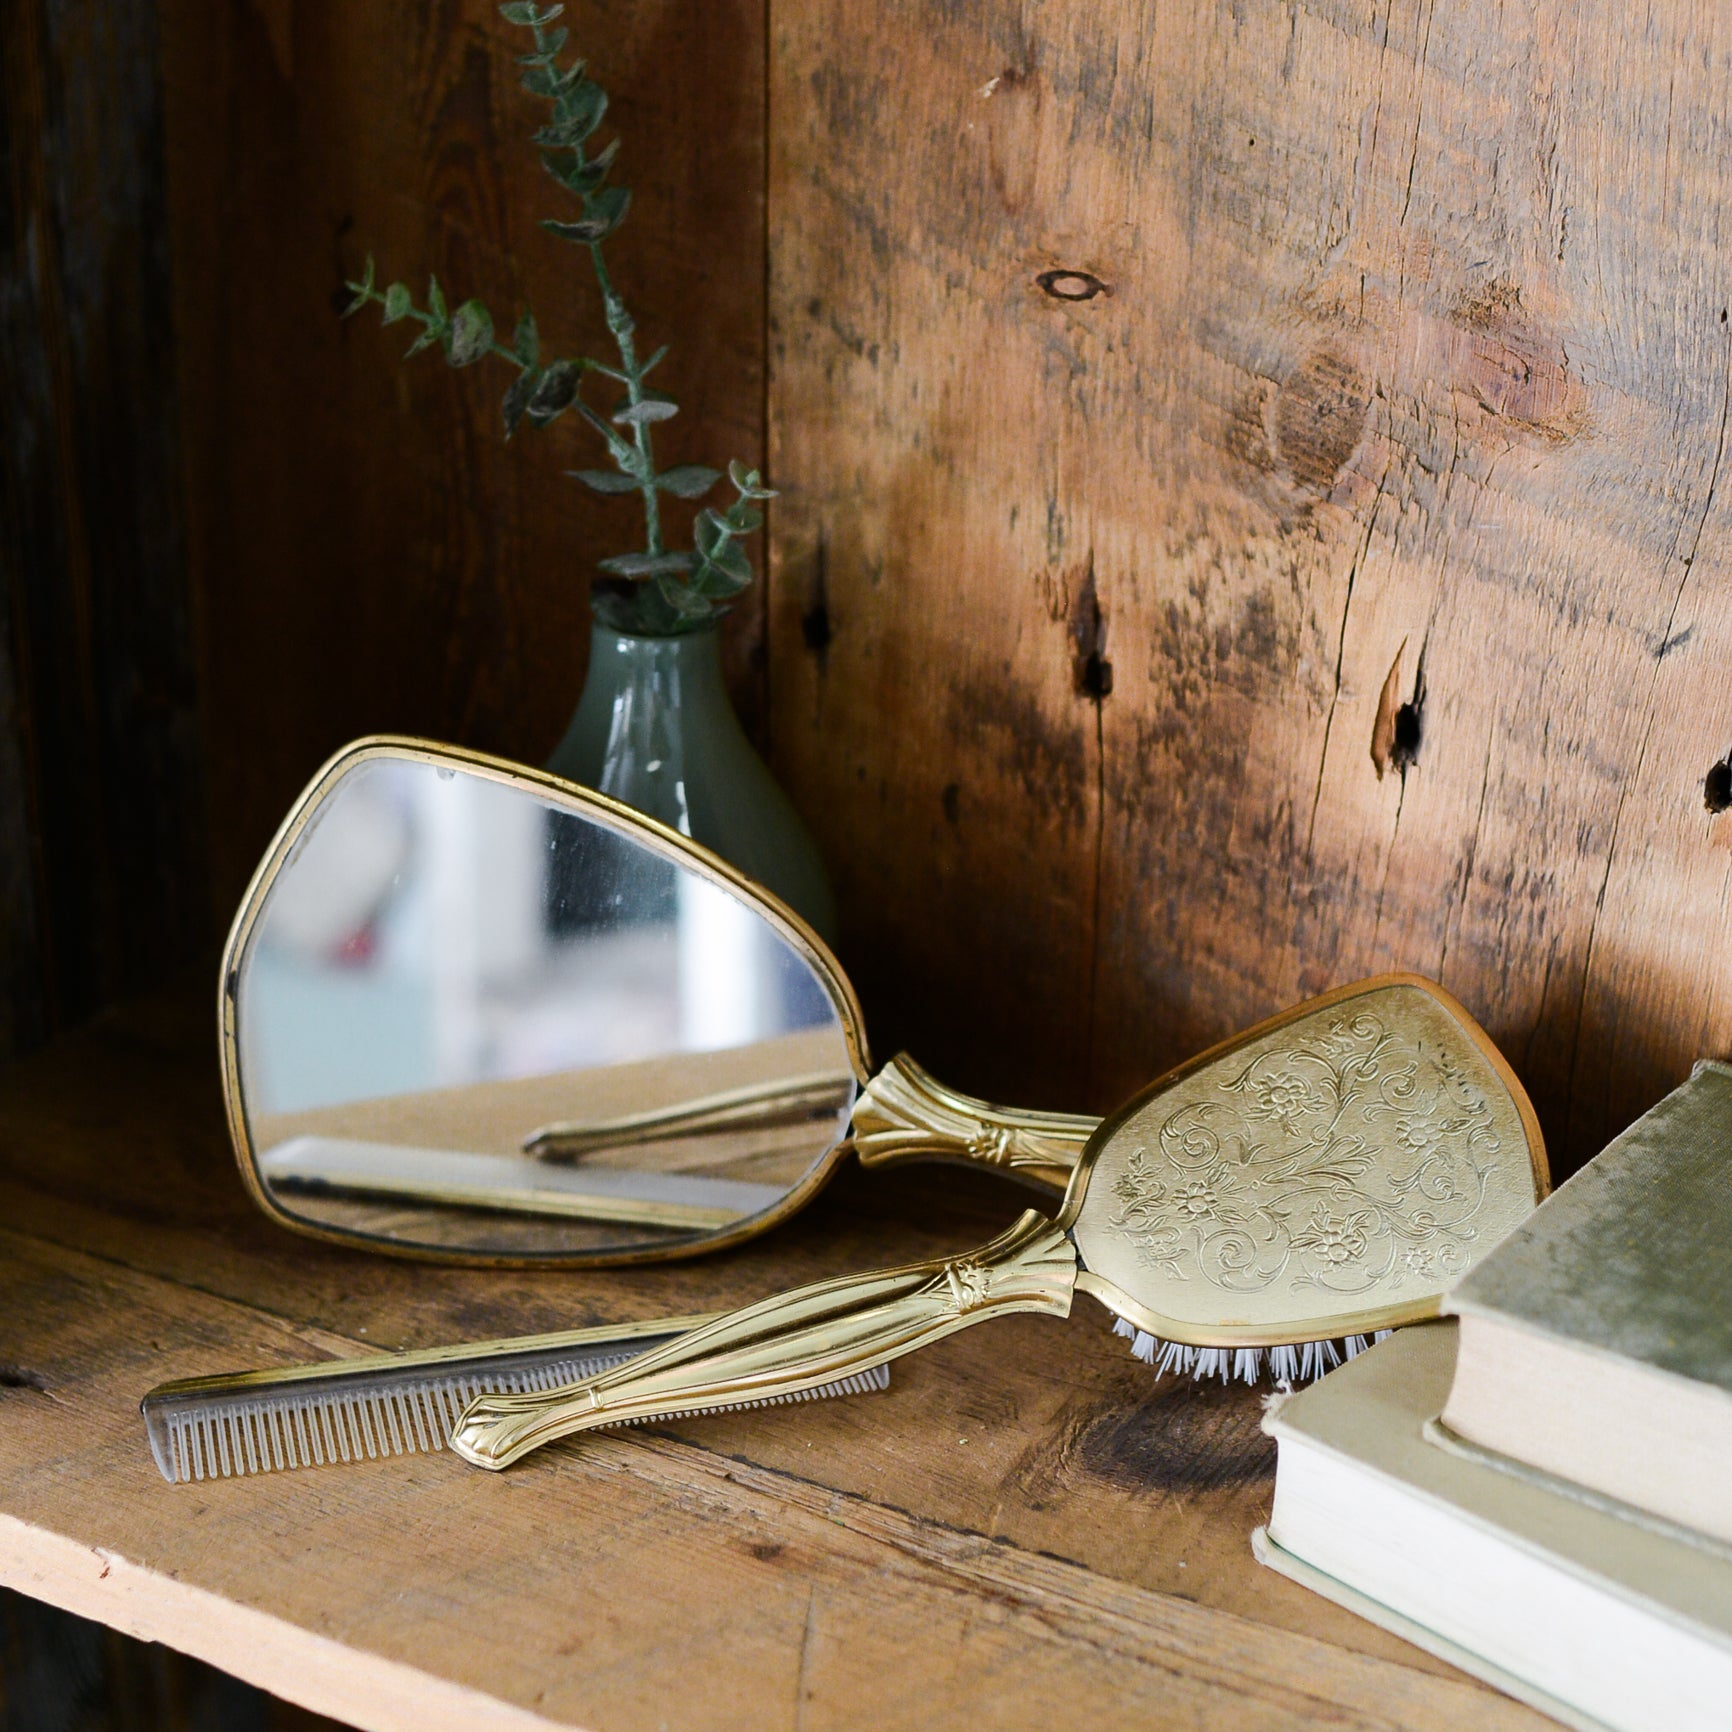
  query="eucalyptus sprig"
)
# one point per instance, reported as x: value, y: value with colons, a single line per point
x: 656, y: 590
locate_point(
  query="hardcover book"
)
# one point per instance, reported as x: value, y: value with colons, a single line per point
x: 1596, y: 1340
x: 1599, y: 1621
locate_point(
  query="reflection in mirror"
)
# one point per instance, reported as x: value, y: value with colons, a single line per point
x: 470, y: 1017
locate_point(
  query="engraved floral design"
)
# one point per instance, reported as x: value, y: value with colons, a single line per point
x: 1419, y: 1136
x: 1197, y: 1197
x: 1332, y: 1238
x: 1281, y: 1098
x: 1344, y: 1160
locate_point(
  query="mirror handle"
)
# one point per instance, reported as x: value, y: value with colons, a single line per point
x: 906, y: 1114
x: 781, y: 1347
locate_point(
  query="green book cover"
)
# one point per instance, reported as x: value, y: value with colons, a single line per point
x: 1633, y: 1255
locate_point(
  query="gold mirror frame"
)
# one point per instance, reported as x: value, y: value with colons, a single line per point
x: 623, y: 821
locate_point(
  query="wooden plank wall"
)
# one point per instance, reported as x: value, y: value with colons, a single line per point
x: 1351, y: 381
x: 102, y: 841
x: 1172, y: 405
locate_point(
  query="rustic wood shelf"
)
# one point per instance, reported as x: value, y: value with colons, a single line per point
x: 1027, y: 1527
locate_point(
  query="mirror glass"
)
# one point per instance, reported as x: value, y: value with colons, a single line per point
x: 471, y: 1018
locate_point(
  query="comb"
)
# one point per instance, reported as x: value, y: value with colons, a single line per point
x: 386, y: 1404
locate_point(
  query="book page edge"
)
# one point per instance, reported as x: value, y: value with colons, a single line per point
x: 1275, y: 1556
x: 1438, y: 1433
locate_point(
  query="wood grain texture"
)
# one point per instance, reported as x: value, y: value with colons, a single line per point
x: 371, y: 554
x: 1024, y: 1528
x: 1276, y: 356
x: 102, y: 844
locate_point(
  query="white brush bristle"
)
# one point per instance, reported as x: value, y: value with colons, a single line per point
x: 1301, y: 1362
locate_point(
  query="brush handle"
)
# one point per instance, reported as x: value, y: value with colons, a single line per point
x: 782, y: 1346
x: 906, y: 1114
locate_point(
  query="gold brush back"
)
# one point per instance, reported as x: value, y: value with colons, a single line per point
x: 1335, y: 1177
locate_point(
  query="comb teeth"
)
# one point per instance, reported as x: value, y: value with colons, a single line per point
x: 1300, y: 1362
x: 265, y: 1431
x: 368, y: 1409
x: 861, y: 1383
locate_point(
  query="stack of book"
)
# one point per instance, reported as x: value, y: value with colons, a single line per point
x: 1540, y: 1487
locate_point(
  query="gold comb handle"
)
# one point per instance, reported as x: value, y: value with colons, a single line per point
x: 782, y: 1346
x: 906, y: 1114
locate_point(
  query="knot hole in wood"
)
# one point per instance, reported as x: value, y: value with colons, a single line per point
x: 1072, y: 285
x: 1717, y: 785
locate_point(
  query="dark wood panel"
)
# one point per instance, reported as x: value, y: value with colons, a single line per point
x: 1352, y: 380
x: 102, y: 877
x: 371, y: 555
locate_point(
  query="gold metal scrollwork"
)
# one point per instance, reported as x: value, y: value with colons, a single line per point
x: 1285, y: 1174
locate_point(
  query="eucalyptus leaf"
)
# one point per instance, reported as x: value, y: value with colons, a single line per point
x: 576, y: 175
x: 517, y: 398
x: 655, y: 360
x: 652, y: 407
x: 606, y: 480
x: 582, y: 176
x: 732, y: 560
x: 718, y: 551
x: 428, y: 337
x: 608, y: 205
x: 683, y: 599
x: 747, y: 483
x: 710, y: 531
x: 363, y: 290
x: 583, y: 230
x: 471, y: 334
x: 546, y: 57
x: 726, y: 573
x: 719, y: 590
x: 526, y: 341
x: 436, y: 299
x: 580, y: 108
x: 641, y: 565
x: 688, y: 480
x: 579, y: 112
x: 398, y: 303
x: 553, y: 395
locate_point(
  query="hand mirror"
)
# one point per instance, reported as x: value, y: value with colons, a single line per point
x: 474, y: 1013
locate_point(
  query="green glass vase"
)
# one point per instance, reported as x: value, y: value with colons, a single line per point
x: 655, y: 728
